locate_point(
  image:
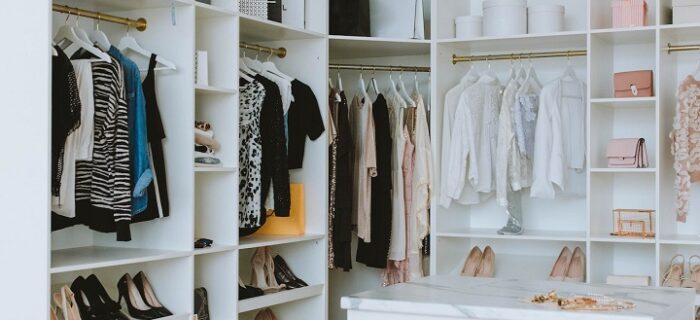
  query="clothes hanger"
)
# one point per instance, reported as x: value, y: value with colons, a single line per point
x: 243, y: 70
x: 54, y: 52
x: 363, y: 89
x: 270, y: 66
x: 253, y: 64
x: 99, y: 38
x: 80, y: 31
x: 404, y: 93
x: 532, y: 74
x: 128, y: 43
x: 373, y: 83
x: 697, y: 70
x: 512, y: 72
x: 488, y: 75
x: 67, y: 39
x: 416, y: 90
x: 530, y: 83
x: 569, y: 71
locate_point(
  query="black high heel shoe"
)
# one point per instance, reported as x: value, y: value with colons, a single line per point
x: 101, y: 302
x: 134, y: 301
x: 284, y: 274
x: 149, y: 295
x: 82, y: 299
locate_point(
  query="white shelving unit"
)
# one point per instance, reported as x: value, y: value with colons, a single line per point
x: 587, y: 221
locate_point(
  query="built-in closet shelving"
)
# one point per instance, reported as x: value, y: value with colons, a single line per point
x: 587, y: 221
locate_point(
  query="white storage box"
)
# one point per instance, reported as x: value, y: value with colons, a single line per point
x: 545, y: 18
x: 505, y: 17
x: 686, y: 11
x: 467, y: 27
x: 293, y: 13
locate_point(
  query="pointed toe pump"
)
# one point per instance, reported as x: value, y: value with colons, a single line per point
x: 487, y: 267
x: 135, y: 303
x: 577, y: 267
x: 472, y: 262
x: 673, y: 276
x: 561, y: 266
x: 284, y: 274
x: 149, y: 294
x: 693, y: 280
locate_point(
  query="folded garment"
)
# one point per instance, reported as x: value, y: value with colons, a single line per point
x: 206, y: 141
x: 206, y: 161
x: 203, y: 155
x: 207, y: 133
x: 202, y: 125
x: 206, y: 151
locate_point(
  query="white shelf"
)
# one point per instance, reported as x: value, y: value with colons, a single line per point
x: 208, y: 11
x: 259, y: 30
x: 535, y: 235
x: 281, y: 297
x: 75, y: 259
x: 520, y: 43
x: 623, y: 170
x: 214, y: 249
x: 683, y: 239
x: 123, y: 5
x: 368, y: 47
x: 626, y: 35
x: 256, y: 241
x: 615, y: 239
x: 199, y: 89
x: 624, y: 102
x: 215, y: 169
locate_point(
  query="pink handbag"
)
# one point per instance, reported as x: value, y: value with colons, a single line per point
x: 627, y: 153
x: 634, y: 84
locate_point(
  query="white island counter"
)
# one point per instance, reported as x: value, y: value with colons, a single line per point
x: 453, y: 297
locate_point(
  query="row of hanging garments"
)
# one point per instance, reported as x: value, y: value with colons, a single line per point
x: 108, y: 165
x: 380, y: 178
x: 504, y: 138
x: 277, y: 114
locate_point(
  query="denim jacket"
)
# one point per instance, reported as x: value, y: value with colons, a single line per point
x: 141, y: 174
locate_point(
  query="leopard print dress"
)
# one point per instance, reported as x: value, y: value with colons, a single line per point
x: 252, y: 95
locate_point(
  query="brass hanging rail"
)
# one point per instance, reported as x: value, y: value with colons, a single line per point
x: 516, y: 56
x: 676, y: 48
x: 139, y: 24
x: 370, y: 67
x: 280, y: 52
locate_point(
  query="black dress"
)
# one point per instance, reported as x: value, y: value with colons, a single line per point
x: 342, y: 224
x: 303, y: 119
x: 375, y: 253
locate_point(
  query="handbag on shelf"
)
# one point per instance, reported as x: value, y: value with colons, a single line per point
x: 400, y: 19
x: 634, y: 84
x: 349, y: 18
x: 627, y: 153
x: 292, y: 225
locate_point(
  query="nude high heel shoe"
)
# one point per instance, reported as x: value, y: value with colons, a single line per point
x: 261, y: 272
x: 693, y: 281
x: 561, y: 266
x: 472, y: 263
x: 674, y: 274
x: 577, y: 267
x: 487, y: 267
x: 65, y: 304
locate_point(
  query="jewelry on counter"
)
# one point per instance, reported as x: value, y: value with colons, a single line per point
x: 582, y: 302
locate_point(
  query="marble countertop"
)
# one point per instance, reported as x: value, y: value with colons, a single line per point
x: 486, y: 298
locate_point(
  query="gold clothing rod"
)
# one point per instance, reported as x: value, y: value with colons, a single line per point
x: 280, y: 52
x: 677, y: 48
x: 370, y: 67
x: 140, y: 24
x: 516, y: 56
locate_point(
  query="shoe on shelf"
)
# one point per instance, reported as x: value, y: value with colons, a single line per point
x: 135, y: 303
x: 93, y: 301
x: 265, y: 314
x: 66, y: 305
x: 693, y: 281
x: 201, y: 302
x: 487, y: 267
x: 245, y: 292
x: 577, y: 267
x: 472, y: 262
x: 674, y: 274
x: 52, y: 313
x: 263, y: 273
x: 561, y: 266
x: 149, y: 294
x: 284, y: 275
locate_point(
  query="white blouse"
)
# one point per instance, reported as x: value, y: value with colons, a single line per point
x: 560, y: 141
x: 397, y: 245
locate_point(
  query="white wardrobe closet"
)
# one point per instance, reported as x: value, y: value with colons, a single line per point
x: 204, y: 201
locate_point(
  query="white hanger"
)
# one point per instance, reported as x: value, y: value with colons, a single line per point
x: 253, y: 64
x: 244, y: 72
x: 363, y: 88
x: 697, y: 70
x: 373, y: 84
x: 99, y: 38
x: 80, y: 31
x: 488, y: 75
x: 530, y: 83
x: 404, y: 93
x: 415, y: 82
x: 339, y: 81
x: 54, y: 52
x: 128, y: 43
x: 270, y: 66
x: 512, y: 73
x: 67, y: 36
x: 569, y: 71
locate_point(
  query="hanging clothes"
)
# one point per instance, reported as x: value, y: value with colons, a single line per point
x: 158, y: 200
x: 252, y: 97
x: 332, y: 172
x: 303, y: 119
x: 65, y: 120
x: 141, y: 174
x: 684, y: 147
x: 560, y: 141
x: 344, y: 188
x: 396, y: 105
x: 419, y: 219
x: 365, y: 159
x: 274, y: 152
x: 404, y: 266
x: 507, y: 154
x: 375, y: 253
x: 452, y: 97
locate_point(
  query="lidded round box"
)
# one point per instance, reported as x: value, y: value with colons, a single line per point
x: 467, y: 27
x: 545, y: 18
x: 505, y: 17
